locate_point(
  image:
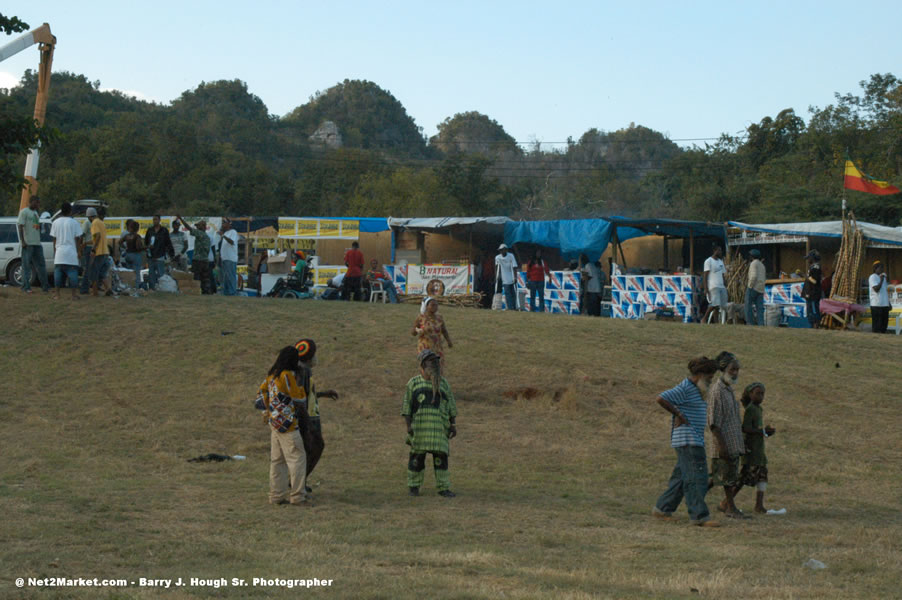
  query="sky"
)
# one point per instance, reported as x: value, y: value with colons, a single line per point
x: 545, y: 71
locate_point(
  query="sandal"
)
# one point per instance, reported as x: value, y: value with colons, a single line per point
x: 737, y: 515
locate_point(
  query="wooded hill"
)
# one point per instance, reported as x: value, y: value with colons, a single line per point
x: 354, y: 150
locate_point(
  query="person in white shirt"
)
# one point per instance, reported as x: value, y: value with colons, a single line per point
x: 594, y: 278
x: 228, y: 255
x: 67, y: 245
x: 715, y: 284
x: 754, y: 293
x: 505, y: 270
x: 879, y: 296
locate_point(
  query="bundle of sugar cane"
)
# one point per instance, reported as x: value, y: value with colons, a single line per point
x: 847, y: 264
x: 463, y: 300
x: 737, y: 278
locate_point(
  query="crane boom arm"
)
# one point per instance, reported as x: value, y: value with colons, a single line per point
x: 41, y: 35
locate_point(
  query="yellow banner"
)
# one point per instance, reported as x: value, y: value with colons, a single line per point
x: 350, y: 229
x: 322, y: 275
x: 308, y: 228
x: 288, y: 226
x: 329, y: 228
x: 114, y: 227
x: 145, y: 224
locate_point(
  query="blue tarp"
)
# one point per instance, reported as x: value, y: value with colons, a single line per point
x: 593, y: 236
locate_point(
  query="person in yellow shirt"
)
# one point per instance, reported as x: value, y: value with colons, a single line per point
x: 100, y: 256
x: 284, y: 406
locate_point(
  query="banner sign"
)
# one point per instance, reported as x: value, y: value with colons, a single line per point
x: 438, y: 280
x: 287, y: 227
x: 307, y: 228
x: 328, y: 229
x: 322, y: 275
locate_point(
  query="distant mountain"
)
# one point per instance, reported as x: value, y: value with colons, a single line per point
x: 365, y: 115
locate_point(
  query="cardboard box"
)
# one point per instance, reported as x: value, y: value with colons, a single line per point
x: 279, y: 264
x: 181, y: 276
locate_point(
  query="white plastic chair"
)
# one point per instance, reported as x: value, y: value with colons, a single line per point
x: 376, y: 289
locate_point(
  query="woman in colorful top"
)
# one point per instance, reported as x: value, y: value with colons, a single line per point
x: 313, y: 435
x: 754, y: 463
x: 284, y: 406
x: 429, y: 411
x: 536, y: 274
x: 429, y: 328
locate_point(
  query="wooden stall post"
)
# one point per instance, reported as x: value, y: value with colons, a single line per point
x: 691, y: 252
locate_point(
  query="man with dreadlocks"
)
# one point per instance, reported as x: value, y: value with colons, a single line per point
x: 429, y: 411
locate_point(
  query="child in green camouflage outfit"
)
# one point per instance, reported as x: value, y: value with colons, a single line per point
x: 429, y: 411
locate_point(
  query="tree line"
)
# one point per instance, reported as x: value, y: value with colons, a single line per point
x: 217, y: 150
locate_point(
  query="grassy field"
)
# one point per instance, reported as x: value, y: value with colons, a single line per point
x: 560, y: 456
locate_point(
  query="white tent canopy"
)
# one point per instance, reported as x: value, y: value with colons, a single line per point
x: 874, y: 233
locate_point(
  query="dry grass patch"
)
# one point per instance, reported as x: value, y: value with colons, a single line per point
x: 560, y: 456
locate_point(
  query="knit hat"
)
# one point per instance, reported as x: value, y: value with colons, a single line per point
x: 425, y: 355
x: 724, y: 360
x: 91, y: 212
x: 306, y: 349
x: 755, y: 253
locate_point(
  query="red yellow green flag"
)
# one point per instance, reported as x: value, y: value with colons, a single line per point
x: 858, y: 181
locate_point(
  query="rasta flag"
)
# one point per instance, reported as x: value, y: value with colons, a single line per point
x: 858, y: 181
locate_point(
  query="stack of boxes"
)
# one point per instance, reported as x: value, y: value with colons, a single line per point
x: 632, y: 296
x: 788, y: 296
x: 186, y: 282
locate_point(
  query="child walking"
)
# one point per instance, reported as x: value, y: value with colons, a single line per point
x: 284, y: 407
x: 429, y: 411
x: 313, y: 434
x: 754, y: 463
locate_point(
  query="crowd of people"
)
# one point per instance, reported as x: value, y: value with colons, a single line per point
x: 85, y: 248
x: 706, y: 400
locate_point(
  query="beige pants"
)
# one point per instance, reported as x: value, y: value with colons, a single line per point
x: 287, y: 467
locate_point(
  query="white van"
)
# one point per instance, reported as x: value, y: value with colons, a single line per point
x: 11, y: 251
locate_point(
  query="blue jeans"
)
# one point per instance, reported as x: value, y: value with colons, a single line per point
x: 229, y: 278
x: 754, y: 299
x: 536, y: 290
x: 69, y: 272
x: 389, y: 287
x: 100, y: 268
x: 689, y: 479
x: 34, y: 254
x: 510, y: 292
x: 134, y: 261
x: 157, y: 268
x: 813, y: 309
x: 85, y: 269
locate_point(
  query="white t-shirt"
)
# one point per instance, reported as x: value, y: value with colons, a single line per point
x: 880, y: 298
x: 715, y: 268
x: 214, y: 239
x: 593, y: 284
x: 508, y: 266
x: 65, y: 230
x: 229, y: 251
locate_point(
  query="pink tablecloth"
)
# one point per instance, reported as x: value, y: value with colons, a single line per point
x: 835, y: 307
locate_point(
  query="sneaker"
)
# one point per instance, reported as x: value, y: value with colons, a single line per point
x: 280, y: 502
x: 414, y: 491
x: 447, y: 494
x: 709, y: 524
x: 306, y: 502
x: 660, y: 514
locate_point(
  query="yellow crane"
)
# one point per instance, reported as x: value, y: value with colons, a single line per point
x: 47, y: 42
